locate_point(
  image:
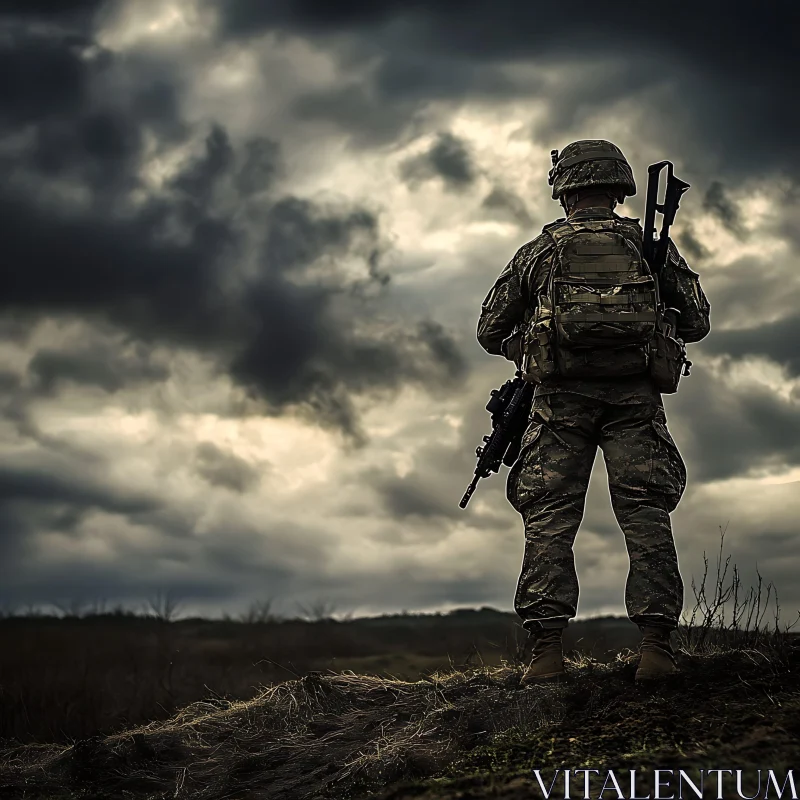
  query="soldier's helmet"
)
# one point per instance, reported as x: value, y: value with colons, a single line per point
x: 590, y: 162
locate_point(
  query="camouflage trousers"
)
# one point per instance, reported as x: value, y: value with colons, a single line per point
x: 547, y: 485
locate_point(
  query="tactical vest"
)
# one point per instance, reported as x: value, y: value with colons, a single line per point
x: 598, y: 308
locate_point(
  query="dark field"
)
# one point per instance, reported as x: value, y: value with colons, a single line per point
x: 63, y: 679
x: 455, y: 735
x: 396, y: 707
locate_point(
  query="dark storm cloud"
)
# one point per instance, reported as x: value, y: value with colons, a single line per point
x: 260, y: 167
x: 354, y: 108
x: 47, y: 75
x: 109, y: 368
x: 690, y: 246
x: 8, y: 381
x: 299, y: 352
x: 50, y: 8
x: 717, y: 201
x: 787, y: 227
x: 225, y: 469
x: 448, y: 158
x: 507, y: 205
x: 750, y: 291
x: 298, y: 234
x: 412, y: 496
x: 384, y: 99
x: 62, y: 261
x: 737, y: 105
x: 100, y: 148
x: 427, y: 506
x: 778, y: 341
x: 134, y: 581
x: 200, y: 176
x: 166, y: 271
x: 383, y: 105
x: 435, y: 337
x: 55, y: 495
x: 47, y: 486
x: 727, y: 434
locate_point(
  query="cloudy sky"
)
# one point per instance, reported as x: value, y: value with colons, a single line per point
x: 244, y: 250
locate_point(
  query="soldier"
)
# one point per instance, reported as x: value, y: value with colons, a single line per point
x: 597, y: 384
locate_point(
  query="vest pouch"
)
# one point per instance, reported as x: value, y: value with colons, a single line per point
x: 602, y: 362
x: 588, y: 314
x: 539, y: 357
x: 667, y: 356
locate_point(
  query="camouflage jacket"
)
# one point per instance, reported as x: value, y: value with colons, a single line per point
x: 512, y: 299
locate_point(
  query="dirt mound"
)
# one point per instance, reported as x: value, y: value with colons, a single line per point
x: 347, y: 735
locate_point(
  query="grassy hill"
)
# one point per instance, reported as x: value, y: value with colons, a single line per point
x: 398, y: 707
x: 470, y: 733
x: 67, y: 678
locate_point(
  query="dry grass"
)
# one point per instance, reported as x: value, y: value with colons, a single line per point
x: 72, y: 678
x: 349, y: 736
x: 320, y: 736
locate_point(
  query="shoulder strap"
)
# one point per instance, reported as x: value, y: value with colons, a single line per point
x: 540, y: 248
x: 631, y: 230
x: 559, y: 230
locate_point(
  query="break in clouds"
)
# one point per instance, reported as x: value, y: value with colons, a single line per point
x: 245, y: 246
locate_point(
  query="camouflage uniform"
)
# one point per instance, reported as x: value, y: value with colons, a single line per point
x: 570, y: 418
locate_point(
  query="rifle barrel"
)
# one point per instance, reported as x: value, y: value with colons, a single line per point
x: 468, y: 493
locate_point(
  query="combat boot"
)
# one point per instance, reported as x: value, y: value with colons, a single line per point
x: 657, y: 659
x: 547, y: 658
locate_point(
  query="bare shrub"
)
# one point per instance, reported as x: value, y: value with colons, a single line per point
x: 318, y: 610
x: 74, y: 608
x: 259, y: 612
x: 728, y: 616
x: 7, y: 611
x: 164, y: 606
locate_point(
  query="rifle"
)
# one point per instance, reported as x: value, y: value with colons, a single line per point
x: 655, y: 253
x: 510, y: 406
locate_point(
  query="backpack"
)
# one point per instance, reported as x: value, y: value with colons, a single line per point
x: 598, y: 309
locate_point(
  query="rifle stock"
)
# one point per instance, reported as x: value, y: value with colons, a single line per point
x: 655, y: 252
